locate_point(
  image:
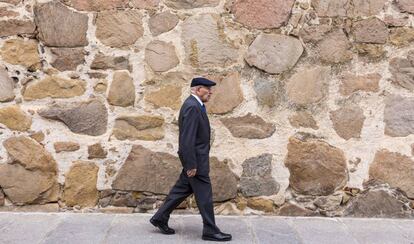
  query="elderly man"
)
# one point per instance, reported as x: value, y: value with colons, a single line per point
x: 194, y: 148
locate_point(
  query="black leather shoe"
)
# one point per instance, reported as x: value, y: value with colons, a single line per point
x: 217, y: 237
x: 163, y: 227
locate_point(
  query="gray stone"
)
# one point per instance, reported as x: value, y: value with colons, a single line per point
x: 162, y: 22
x: 274, y: 53
x: 267, y: 92
x: 398, y: 116
x: 204, y: 43
x: 59, y: 26
x: 161, y: 56
x: 110, y: 62
x: 67, y: 58
x: 405, y: 6
x: 370, y: 30
x: 334, y: 48
x: 89, y: 118
x: 267, y: 230
x: 348, y: 121
x: 303, y: 119
x: 331, y: 8
x: 185, y: 4
x: 6, y: 86
x: 402, y: 71
x: 249, y: 126
x: 12, y: 27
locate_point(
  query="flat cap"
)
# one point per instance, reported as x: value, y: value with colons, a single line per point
x: 200, y: 81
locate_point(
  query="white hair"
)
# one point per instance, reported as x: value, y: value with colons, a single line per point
x: 194, y: 89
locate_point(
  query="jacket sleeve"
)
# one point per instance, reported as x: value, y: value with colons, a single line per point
x: 189, y: 134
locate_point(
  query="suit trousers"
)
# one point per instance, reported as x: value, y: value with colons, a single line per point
x: 200, y: 185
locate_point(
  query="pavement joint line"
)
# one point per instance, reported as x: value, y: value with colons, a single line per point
x: 251, y: 229
x: 109, y: 229
x: 347, y: 230
x: 291, y: 225
x: 50, y: 231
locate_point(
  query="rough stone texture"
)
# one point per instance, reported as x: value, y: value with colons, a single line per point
x: 59, y: 26
x: 348, y: 121
x: 402, y: 37
x: 122, y: 90
x: 351, y: 83
x: 15, y: 118
x: 205, y: 44
x: 366, y: 7
x: 223, y: 181
x: 2, y: 199
x: 162, y: 22
x: 168, y: 95
x: 262, y: 14
x: 6, y: 86
x: 89, y: 118
x: 350, y: 8
x: 370, y: 30
x: 405, y: 6
x: 54, y: 87
x: 267, y: 92
x: 95, y: 5
x: 249, y: 126
x: 373, y: 51
x: 331, y: 8
x: 143, y: 166
x: 260, y: 204
x: 401, y: 70
x: 161, y: 56
x: 30, y: 163
x: 290, y: 209
x: 96, y: 151
x: 38, y: 136
x: 316, y: 168
x: 142, y: 127
x: 393, y: 21
x: 119, y: 28
x: 64, y: 146
x: 308, y: 85
x: 398, y: 116
x: 376, y: 204
x: 80, y: 184
x: 334, y: 48
x: 314, y: 33
x: 256, y: 179
x: 185, y: 4
x: 227, y: 94
x: 12, y: 27
x: 144, y: 4
x: 21, y: 52
x: 303, y: 119
x: 67, y: 58
x: 110, y: 62
x: 274, y: 53
x: 395, y: 169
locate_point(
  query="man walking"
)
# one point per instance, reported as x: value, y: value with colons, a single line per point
x: 194, y: 148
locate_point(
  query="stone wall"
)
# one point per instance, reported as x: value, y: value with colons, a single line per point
x: 312, y: 115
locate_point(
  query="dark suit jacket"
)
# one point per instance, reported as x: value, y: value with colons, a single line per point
x: 194, y: 138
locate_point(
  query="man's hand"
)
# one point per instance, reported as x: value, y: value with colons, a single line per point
x: 191, y: 172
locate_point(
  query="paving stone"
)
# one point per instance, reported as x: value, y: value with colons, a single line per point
x: 267, y: 230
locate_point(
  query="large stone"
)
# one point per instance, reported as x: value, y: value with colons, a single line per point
x: 376, y: 204
x: 303, y: 119
x: 267, y: 92
x: 402, y: 37
x: 122, y: 90
x: 256, y: 179
x: 405, y: 6
x: 14, y: 2
x: 141, y: 127
x: 12, y: 27
x: 21, y: 52
x: 396, y: 21
x: 290, y: 209
x: 6, y: 86
x: 144, y: 4
x: 351, y: 83
x: 249, y: 126
x: 370, y: 30
x: 80, y: 184
x: 59, y: 26
x: 110, y: 62
x: 350, y: 8
x: 89, y: 118
x: 96, y: 5
x: 314, y: 33
x: 66, y: 146
x: 402, y: 71
x: 274, y: 53
x: 223, y: 181
x: 205, y: 42
x: 15, y: 118
x: 331, y: 8
x: 360, y: 8
x: 308, y: 86
x: 54, y: 87
x: 185, y: 4
x: 262, y: 14
x: 316, y: 168
x: 348, y: 121
x: 227, y: 94
x: 162, y: 22
x: 373, y: 51
x: 335, y: 48
x: 119, y: 28
x: 143, y: 166
x: 395, y: 169
x: 398, y: 116
x: 167, y: 95
x: 161, y: 56
x: 30, y: 154
x: 67, y: 58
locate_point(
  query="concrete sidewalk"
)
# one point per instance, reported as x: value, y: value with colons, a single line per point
x: 63, y: 228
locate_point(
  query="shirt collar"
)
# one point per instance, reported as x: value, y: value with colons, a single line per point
x: 198, y: 99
